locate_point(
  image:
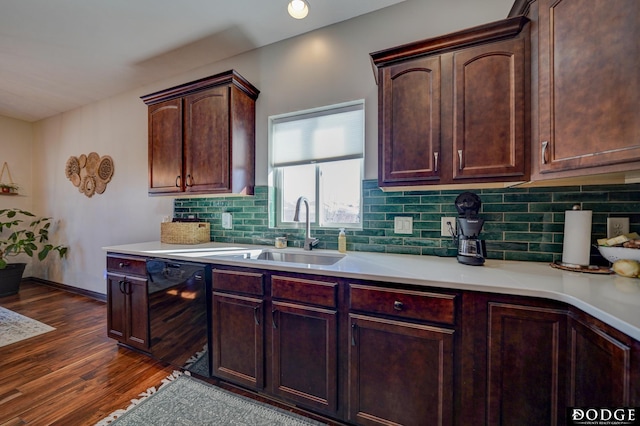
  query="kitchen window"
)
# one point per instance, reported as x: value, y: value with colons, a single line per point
x: 319, y: 154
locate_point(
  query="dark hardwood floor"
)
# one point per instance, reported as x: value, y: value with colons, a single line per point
x: 74, y: 375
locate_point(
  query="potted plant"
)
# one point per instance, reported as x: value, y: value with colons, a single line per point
x: 8, y: 188
x: 21, y: 232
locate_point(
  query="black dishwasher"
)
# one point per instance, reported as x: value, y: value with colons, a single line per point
x: 178, y: 323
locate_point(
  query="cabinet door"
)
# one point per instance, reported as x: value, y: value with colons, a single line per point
x: 138, y: 312
x: 128, y: 310
x: 526, y: 365
x: 489, y: 111
x: 305, y: 355
x: 399, y: 373
x: 165, y: 147
x: 600, y: 373
x: 116, y: 307
x: 409, y: 108
x: 206, y: 141
x: 237, y: 339
x: 588, y: 83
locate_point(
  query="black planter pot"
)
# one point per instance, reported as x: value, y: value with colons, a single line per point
x: 10, y: 278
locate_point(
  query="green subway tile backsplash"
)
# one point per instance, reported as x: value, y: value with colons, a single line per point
x: 520, y: 223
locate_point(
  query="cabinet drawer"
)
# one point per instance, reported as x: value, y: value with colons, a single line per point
x: 403, y: 303
x: 305, y: 291
x: 238, y: 282
x: 127, y: 265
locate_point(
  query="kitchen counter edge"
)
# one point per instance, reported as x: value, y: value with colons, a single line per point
x: 613, y: 299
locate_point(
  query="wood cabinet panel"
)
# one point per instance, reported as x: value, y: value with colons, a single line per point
x: 127, y: 265
x: 489, y: 111
x: 202, y: 136
x: 403, y: 303
x: 206, y: 127
x: 128, y: 310
x: 409, y: 106
x: 454, y: 109
x: 238, y: 339
x: 165, y: 147
x: 526, y: 364
x: 400, y: 373
x: 116, y: 308
x: 304, y: 355
x: 600, y: 368
x: 238, y: 282
x: 588, y: 85
x: 304, y: 291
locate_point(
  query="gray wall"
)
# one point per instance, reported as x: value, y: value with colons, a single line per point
x: 323, y: 67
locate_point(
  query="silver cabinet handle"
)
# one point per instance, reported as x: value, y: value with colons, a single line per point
x: 435, y: 161
x: 459, y: 159
x: 545, y: 146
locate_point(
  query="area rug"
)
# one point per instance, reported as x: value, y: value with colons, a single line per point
x: 15, y: 327
x: 183, y: 400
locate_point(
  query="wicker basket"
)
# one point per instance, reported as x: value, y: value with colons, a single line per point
x: 185, y: 232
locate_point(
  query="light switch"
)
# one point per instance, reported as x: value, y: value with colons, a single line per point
x: 227, y: 221
x: 403, y: 225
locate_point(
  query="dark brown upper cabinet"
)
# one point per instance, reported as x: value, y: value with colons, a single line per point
x: 453, y: 109
x: 585, y: 84
x: 202, y: 137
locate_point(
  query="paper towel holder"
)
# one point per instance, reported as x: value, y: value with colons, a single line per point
x: 576, y: 255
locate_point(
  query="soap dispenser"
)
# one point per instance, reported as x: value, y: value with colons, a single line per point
x: 342, y: 241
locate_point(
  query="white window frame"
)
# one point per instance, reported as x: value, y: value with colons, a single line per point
x: 276, y: 178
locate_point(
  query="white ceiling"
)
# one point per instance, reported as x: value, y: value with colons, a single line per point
x: 56, y: 55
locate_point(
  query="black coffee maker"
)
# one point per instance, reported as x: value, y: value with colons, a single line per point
x: 471, y: 249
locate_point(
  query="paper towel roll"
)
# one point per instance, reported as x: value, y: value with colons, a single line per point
x: 577, y: 237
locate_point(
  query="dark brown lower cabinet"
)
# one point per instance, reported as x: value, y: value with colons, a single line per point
x: 304, y: 355
x: 380, y: 353
x: 237, y: 328
x: 526, y: 365
x: 543, y: 358
x: 238, y: 353
x: 600, y: 368
x: 128, y: 310
x: 399, y: 372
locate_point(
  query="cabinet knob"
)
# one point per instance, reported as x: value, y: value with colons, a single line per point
x: 123, y: 264
x: 188, y: 182
x: 398, y: 306
x: 435, y: 161
x: 178, y: 179
x: 459, y: 159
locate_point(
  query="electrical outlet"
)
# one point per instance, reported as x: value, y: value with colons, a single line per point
x: 617, y: 226
x: 444, y: 228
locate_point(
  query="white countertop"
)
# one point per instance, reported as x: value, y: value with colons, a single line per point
x: 613, y: 299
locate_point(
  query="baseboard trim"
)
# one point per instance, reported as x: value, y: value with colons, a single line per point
x: 68, y: 288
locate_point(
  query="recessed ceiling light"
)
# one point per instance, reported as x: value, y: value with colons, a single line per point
x: 298, y: 9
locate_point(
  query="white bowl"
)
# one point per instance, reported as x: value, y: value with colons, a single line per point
x: 616, y: 253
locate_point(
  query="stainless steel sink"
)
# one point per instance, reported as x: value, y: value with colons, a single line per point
x: 304, y: 258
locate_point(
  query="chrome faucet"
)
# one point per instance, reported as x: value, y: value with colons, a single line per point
x: 309, y: 242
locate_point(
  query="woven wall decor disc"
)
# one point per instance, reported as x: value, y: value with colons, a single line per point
x: 92, y: 163
x: 105, y: 169
x: 72, y: 167
x: 89, y: 173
